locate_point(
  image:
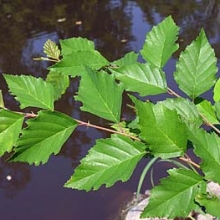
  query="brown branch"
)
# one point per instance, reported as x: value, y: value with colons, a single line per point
x: 88, y: 124
x: 171, y: 92
x: 188, y: 160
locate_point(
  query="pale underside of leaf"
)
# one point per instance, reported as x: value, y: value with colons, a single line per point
x: 43, y: 136
x: 109, y: 161
x: 142, y: 78
x: 174, y: 197
x: 100, y: 95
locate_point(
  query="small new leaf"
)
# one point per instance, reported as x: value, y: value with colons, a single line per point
x: 175, y: 195
x: 10, y: 128
x: 51, y: 50
x: 43, y: 136
x: 31, y: 91
x: 109, y: 161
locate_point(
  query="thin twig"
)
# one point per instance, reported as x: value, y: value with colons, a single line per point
x: 171, y: 92
x: 209, y: 124
x: 188, y: 160
x: 88, y: 124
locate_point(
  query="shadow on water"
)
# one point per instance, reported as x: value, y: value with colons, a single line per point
x: 116, y: 27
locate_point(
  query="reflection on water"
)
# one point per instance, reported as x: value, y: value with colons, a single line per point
x: 116, y: 27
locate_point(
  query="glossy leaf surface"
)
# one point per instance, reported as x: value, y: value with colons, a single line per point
x: 142, y: 78
x: 160, y: 43
x: 174, y: 196
x: 76, y: 44
x: 186, y: 109
x: 75, y: 63
x: 128, y: 59
x: 100, y: 95
x: 44, y: 135
x: 162, y: 129
x: 109, y: 161
x: 31, y: 91
x: 196, y: 68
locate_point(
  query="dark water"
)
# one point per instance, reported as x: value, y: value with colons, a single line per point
x: 116, y: 27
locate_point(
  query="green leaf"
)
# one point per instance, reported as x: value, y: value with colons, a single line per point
x: 207, y: 147
x: 216, y: 91
x: 2, y: 105
x: 60, y: 83
x: 208, y: 111
x: 31, y: 91
x: 211, y: 204
x: 217, y: 109
x: 128, y: 59
x: 186, y: 109
x: 100, y: 95
x: 160, y: 43
x: 10, y: 127
x: 162, y: 129
x: 175, y: 195
x: 51, y: 50
x: 109, y: 161
x: 75, y: 44
x: 142, y: 78
x: 43, y: 136
x: 196, y: 68
x: 74, y: 64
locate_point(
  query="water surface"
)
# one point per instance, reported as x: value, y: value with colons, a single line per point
x: 116, y: 27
